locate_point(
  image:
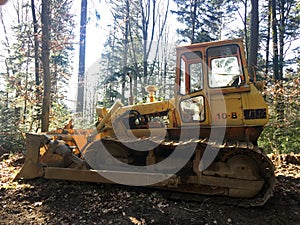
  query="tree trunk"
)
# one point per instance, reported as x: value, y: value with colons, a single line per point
x: 275, y: 41
x: 268, y: 37
x: 81, y: 69
x: 145, y: 13
x: 252, y: 60
x: 194, y: 16
x: 36, y: 47
x: 135, y: 88
x: 165, y: 79
x: 46, y: 68
x: 135, y: 73
x: 126, y: 48
x: 245, y: 27
x: 131, y: 98
x: 281, y: 38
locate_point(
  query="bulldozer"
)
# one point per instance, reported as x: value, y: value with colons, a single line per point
x: 203, y: 141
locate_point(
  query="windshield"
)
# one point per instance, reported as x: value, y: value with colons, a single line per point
x: 224, y: 67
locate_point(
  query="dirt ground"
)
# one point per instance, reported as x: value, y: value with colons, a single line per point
x: 44, y: 201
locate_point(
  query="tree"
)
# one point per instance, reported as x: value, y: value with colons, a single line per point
x: 188, y: 13
x: 275, y: 41
x: 36, y: 46
x: 122, y: 23
x: 282, y: 22
x: 135, y: 40
x: 81, y: 70
x: 23, y: 78
x: 126, y: 51
x: 150, y: 13
x: 46, y: 68
x: 288, y: 29
x: 254, y: 39
x: 269, y: 12
x: 203, y: 19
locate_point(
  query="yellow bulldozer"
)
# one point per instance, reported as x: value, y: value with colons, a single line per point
x: 202, y: 141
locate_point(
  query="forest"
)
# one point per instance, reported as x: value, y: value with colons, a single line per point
x: 60, y: 60
x: 39, y: 46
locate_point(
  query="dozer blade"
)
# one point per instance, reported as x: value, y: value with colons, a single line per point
x: 40, y: 147
x: 32, y: 167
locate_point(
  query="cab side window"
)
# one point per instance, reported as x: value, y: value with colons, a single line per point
x: 191, y: 72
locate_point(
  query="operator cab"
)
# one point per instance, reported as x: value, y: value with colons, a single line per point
x: 205, y: 74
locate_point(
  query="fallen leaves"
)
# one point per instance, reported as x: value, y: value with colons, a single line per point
x: 44, y: 201
x: 136, y: 221
x: 37, y: 204
x: 10, y: 165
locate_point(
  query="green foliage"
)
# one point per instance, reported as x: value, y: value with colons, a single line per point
x: 11, y: 137
x: 60, y: 115
x: 282, y: 133
x: 203, y: 19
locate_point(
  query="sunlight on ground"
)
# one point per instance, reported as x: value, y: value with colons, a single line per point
x: 8, y: 171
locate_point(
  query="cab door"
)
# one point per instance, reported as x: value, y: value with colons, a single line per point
x: 191, y: 98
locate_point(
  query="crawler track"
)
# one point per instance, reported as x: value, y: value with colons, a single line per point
x: 227, y: 150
